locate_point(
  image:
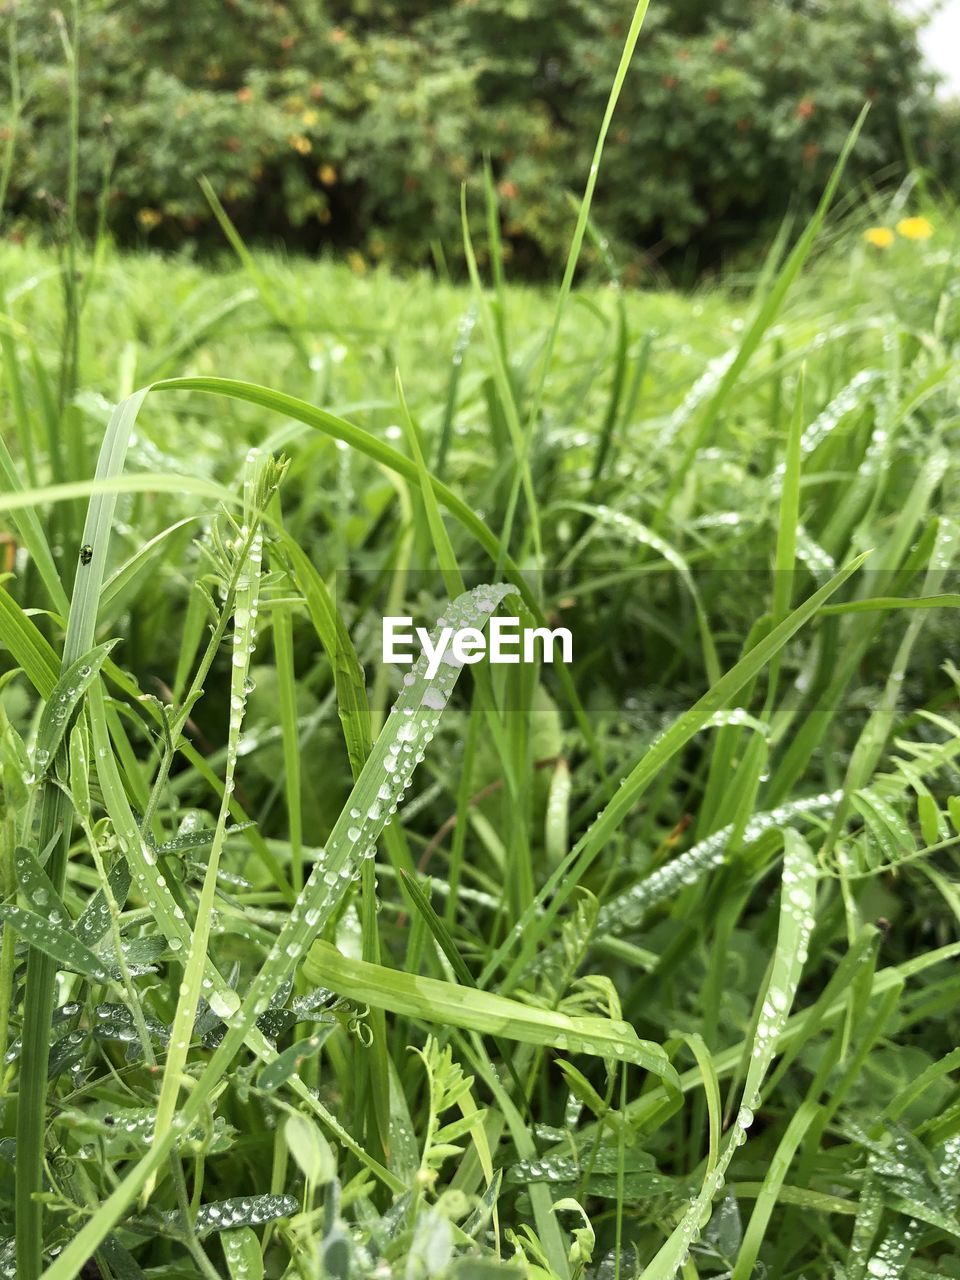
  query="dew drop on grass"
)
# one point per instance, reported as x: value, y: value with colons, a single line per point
x: 224, y: 1003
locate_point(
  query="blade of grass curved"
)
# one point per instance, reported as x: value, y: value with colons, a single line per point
x: 113, y: 485
x: 363, y: 441
x: 34, y: 538
x: 711, y: 1087
x: 28, y: 645
x: 448, y: 1002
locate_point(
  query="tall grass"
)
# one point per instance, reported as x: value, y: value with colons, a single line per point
x: 669, y: 932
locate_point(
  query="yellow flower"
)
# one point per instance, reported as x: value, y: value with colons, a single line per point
x: 300, y: 143
x: 915, y: 228
x: 879, y: 237
x: 149, y: 218
x: 327, y: 174
x: 309, y: 118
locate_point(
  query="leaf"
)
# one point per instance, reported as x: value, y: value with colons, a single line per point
x: 79, y: 756
x: 55, y: 941
x: 310, y: 1149
x: 581, y: 1088
x: 476, y: 1010
x: 641, y: 1180
x: 198, y: 838
x: 556, y: 819
x: 241, y: 1250
x: 94, y: 921
x: 122, y: 1264
x: 243, y: 1211
x: 276, y: 1073
x: 886, y: 827
x: 929, y: 817
x: 628, y: 909
x: 63, y: 701
x: 36, y: 887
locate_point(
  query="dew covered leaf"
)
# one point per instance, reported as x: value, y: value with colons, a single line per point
x: 63, y: 701
x: 197, y: 838
x: 243, y: 1211
x: 67, y: 1052
x: 276, y: 1073
x: 55, y: 941
x: 94, y: 920
x: 641, y: 1180
x: 242, y: 1254
x: 141, y: 954
x: 890, y: 833
x: 628, y: 909
x: 37, y: 888
x: 115, y: 1022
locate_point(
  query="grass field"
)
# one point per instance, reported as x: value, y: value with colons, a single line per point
x: 654, y: 971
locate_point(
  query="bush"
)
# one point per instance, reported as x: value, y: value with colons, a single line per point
x: 354, y: 125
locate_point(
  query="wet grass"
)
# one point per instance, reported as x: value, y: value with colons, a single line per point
x: 638, y: 967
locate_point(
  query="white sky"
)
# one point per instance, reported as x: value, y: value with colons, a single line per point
x: 941, y: 42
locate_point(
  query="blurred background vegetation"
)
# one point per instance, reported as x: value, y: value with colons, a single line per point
x: 351, y: 125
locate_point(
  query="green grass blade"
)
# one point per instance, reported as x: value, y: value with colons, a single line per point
x: 474, y: 1010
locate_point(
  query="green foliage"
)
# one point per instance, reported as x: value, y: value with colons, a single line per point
x: 354, y: 125
x: 673, y: 940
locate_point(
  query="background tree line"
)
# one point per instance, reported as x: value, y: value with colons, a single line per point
x: 352, y: 125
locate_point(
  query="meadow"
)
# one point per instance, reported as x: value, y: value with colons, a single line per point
x: 641, y: 967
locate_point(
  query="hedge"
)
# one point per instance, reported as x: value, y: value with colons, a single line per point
x: 353, y: 125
